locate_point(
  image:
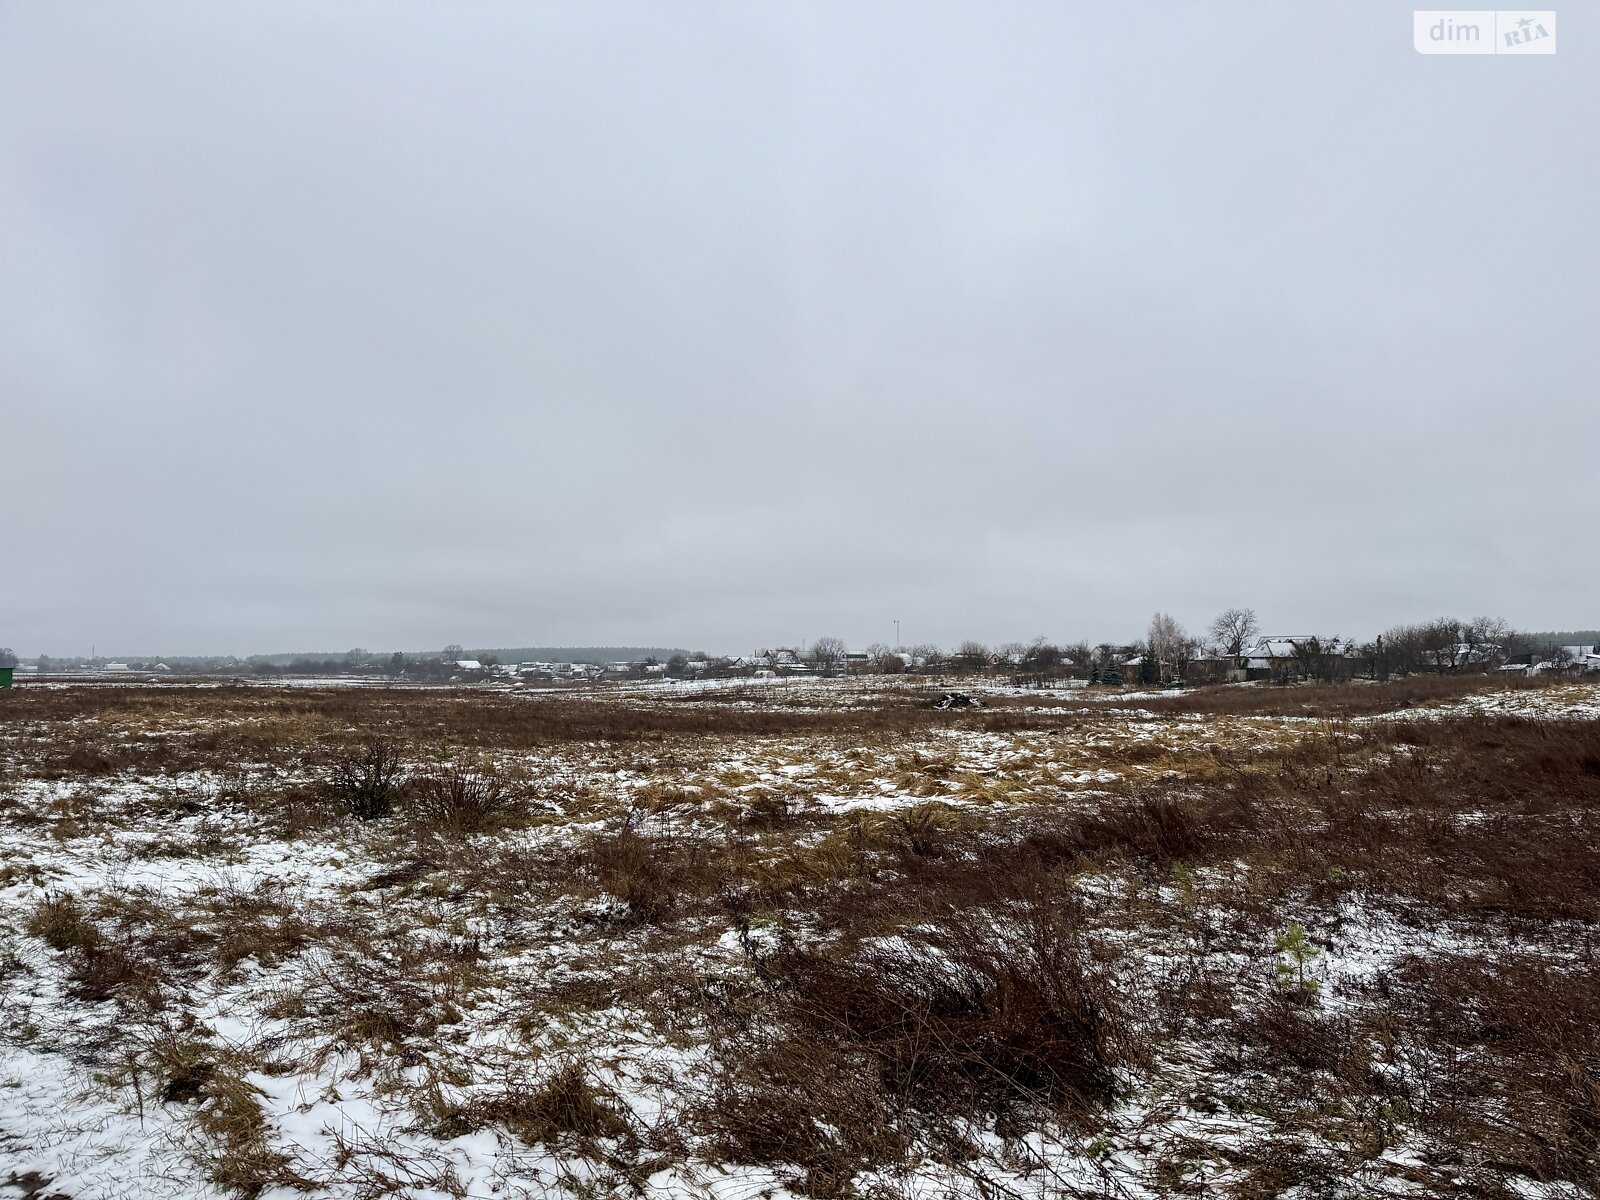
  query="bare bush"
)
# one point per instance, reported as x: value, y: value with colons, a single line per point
x: 993, y: 1015
x: 458, y: 798
x: 369, y: 779
x: 1513, y: 1068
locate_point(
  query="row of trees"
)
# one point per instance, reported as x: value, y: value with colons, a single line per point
x: 432, y: 668
x: 1448, y: 644
x: 1168, y: 651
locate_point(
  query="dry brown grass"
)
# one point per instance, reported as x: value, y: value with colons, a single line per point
x: 564, y: 1104
x: 994, y: 953
x: 101, y: 966
x: 1338, y: 699
x: 843, y: 1057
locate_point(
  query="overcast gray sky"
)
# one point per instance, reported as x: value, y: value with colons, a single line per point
x: 733, y: 324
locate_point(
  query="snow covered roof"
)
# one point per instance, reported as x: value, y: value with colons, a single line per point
x: 468, y: 664
x: 1277, y: 647
x: 1288, y: 647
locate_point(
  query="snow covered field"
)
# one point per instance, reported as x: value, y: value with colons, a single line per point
x: 815, y: 939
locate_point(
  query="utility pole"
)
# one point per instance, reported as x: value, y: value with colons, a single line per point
x: 897, y: 637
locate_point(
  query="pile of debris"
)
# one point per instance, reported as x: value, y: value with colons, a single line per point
x: 958, y: 700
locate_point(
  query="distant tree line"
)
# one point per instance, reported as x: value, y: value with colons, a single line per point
x: 1231, y: 648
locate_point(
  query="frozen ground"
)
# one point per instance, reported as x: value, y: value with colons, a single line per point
x: 807, y: 939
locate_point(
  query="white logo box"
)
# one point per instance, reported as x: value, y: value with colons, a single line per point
x: 1483, y: 31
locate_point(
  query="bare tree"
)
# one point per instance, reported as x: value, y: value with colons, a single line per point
x: 971, y: 655
x: 1322, y: 659
x: 884, y: 660
x: 1042, y: 656
x: 1168, y: 646
x: 827, y: 653
x: 1489, y: 641
x: 1399, y: 651
x: 1440, y: 645
x: 1080, y: 655
x: 1234, y: 630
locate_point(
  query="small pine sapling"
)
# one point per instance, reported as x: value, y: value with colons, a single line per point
x: 1290, y: 970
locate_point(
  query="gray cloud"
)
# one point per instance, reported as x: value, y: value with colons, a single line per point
x: 325, y: 325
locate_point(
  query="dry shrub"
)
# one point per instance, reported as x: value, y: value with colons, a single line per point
x: 90, y: 757
x: 1506, y: 1060
x: 257, y: 722
x: 407, y: 872
x: 459, y: 799
x: 931, y: 831
x: 813, y: 1105
x: 1289, y: 1031
x: 861, y: 1051
x: 113, y: 971
x: 185, y: 1081
x: 1134, y: 753
x: 1355, y: 698
x: 767, y: 810
x: 1157, y: 829
x: 1291, y: 1165
x: 259, y: 925
x: 987, y: 1015
x: 932, y: 841
x: 237, y: 1153
x: 848, y: 1056
x: 369, y: 780
x: 1161, y: 828
x: 382, y: 992
x: 1492, y: 817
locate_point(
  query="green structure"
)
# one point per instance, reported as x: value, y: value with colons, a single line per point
x: 5, y: 677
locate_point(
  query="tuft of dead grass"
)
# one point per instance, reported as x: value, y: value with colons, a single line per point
x: 562, y: 1106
